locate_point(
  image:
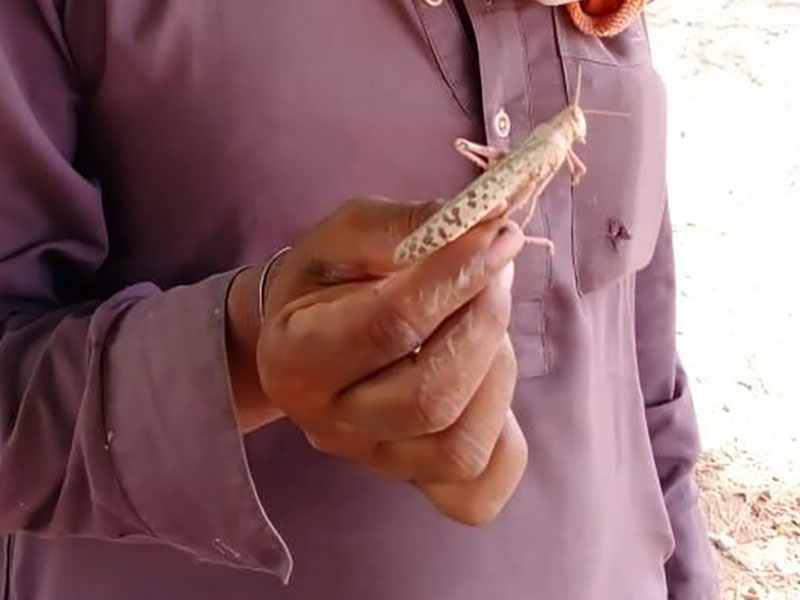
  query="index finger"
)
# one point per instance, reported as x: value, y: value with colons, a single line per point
x: 358, y: 333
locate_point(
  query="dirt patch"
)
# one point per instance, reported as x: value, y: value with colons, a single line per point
x: 754, y: 527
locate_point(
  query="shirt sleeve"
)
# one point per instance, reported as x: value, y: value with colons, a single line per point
x: 116, y: 414
x: 672, y: 424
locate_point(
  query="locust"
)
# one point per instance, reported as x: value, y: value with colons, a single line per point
x: 514, y: 180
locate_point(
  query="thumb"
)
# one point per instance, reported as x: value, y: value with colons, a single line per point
x: 354, y: 244
x: 379, y: 225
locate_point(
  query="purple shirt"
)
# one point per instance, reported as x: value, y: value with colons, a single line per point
x: 150, y: 148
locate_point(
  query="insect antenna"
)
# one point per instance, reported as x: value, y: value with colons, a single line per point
x: 606, y: 113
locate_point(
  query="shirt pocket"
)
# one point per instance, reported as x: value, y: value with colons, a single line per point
x: 527, y: 331
x: 619, y: 204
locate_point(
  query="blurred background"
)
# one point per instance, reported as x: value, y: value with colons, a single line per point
x: 732, y: 69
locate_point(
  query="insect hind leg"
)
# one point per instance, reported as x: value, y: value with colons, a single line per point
x: 483, y: 156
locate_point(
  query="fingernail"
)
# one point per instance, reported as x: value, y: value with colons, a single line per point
x: 504, y: 230
x: 505, y: 245
x: 507, y: 276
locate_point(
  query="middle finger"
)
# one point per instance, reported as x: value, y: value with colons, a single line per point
x: 428, y: 392
x: 461, y: 452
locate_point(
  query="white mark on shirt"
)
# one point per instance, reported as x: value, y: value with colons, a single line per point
x: 225, y: 549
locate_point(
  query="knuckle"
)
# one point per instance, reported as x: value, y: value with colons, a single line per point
x: 497, y: 311
x: 354, y: 205
x: 462, y: 457
x: 320, y: 443
x: 435, y: 411
x: 383, y: 461
x: 477, y: 513
x: 508, y: 358
x: 391, y: 332
x: 315, y: 442
x: 517, y: 449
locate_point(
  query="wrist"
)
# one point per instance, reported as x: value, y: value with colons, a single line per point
x: 243, y: 325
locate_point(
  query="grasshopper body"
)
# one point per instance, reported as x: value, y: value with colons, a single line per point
x: 517, y: 178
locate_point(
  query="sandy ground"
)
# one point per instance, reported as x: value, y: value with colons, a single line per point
x: 732, y: 68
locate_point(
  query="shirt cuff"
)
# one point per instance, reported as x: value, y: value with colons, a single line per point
x: 172, y: 431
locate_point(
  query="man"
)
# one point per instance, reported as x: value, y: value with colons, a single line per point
x: 162, y: 437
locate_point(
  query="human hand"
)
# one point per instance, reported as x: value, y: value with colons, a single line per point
x: 337, y: 355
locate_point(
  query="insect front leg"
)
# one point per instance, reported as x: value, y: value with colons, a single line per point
x: 576, y: 166
x: 483, y: 156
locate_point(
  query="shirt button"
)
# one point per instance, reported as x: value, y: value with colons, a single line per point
x: 434, y: 2
x: 502, y: 123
